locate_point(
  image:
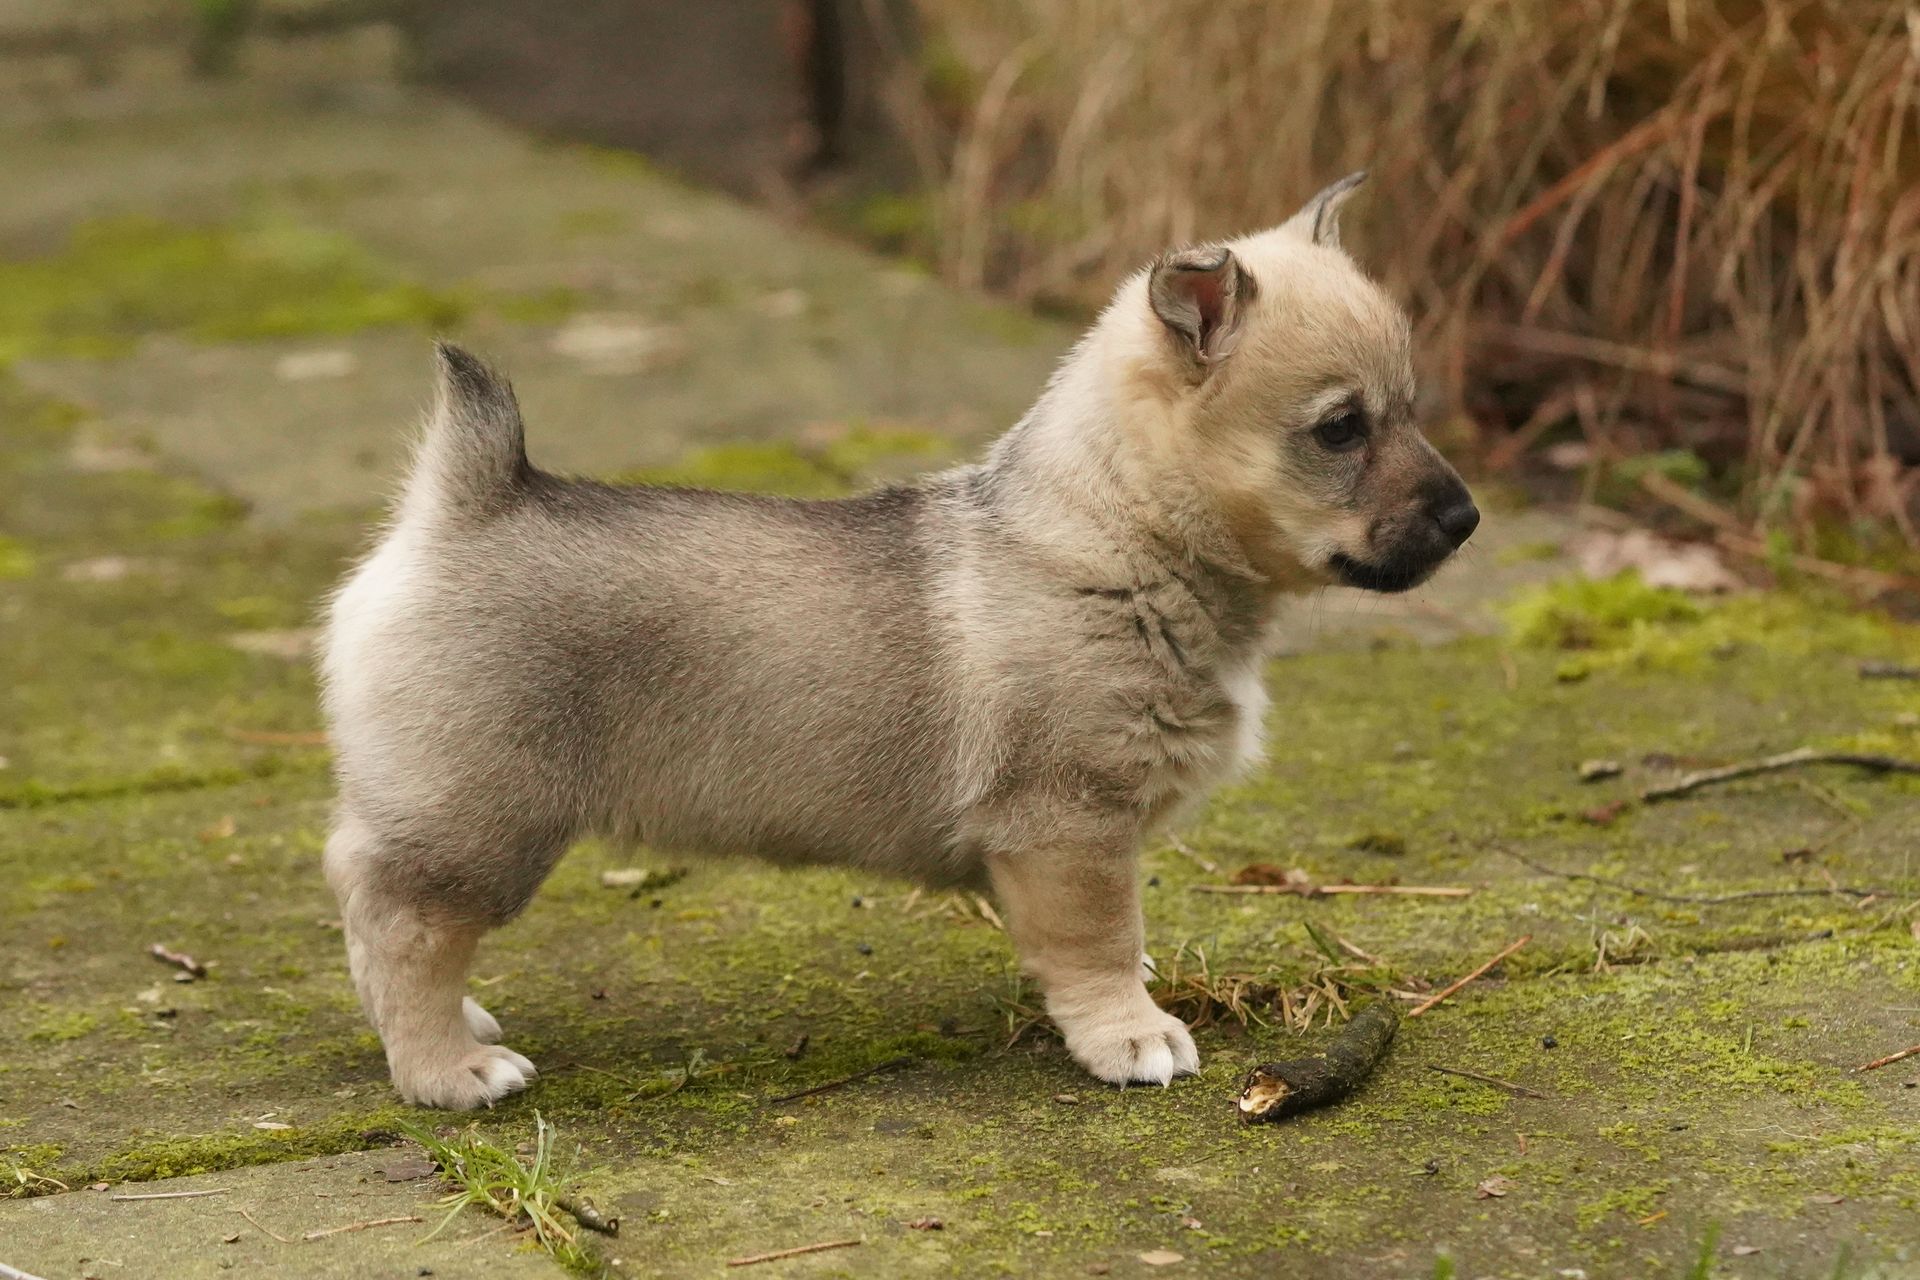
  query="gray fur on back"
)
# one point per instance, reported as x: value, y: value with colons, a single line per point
x: 905, y: 681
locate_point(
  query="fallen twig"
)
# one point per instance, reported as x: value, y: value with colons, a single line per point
x: 1692, y: 782
x: 795, y: 1252
x: 892, y: 1065
x: 588, y: 1215
x: 361, y: 1226
x: 1327, y: 890
x: 178, y: 959
x: 1697, y: 899
x: 173, y: 1195
x: 263, y: 1227
x: 1517, y: 1090
x: 15, y: 1273
x: 1281, y: 1089
x: 1887, y: 1061
x: 1444, y: 992
x: 1206, y: 864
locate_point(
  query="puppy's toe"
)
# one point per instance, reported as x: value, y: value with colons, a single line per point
x: 1137, y: 1045
x: 479, y: 1078
x: 485, y: 1028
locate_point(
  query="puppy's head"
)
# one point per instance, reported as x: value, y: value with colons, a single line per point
x: 1283, y: 384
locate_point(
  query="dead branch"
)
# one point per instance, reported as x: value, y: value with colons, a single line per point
x: 1696, y: 899
x: 1889, y: 1060
x: 173, y: 1195
x: 1692, y: 782
x: 263, y: 1227
x: 1508, y: 1086
x: 14, y: 1273
x: 1281, y: 1089
x: 777, y: 1254
x: 588, y: 1214
x: 361, y: 1226
x: 1328, y: 890
x: 178, y: 959
x: 893, y: 1065
x: 1442, y: 994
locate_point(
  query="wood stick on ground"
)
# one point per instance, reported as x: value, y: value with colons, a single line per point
x: 1508, y: 1086
x: 263, y: 1227
x: 1697, y: 899
x: 1326, y: 890
x: 15, y: 1273
x: 178, y: 959
x: 1692, y: 782
x: 777, y: 1254
x: 172, y: 1195
x: 361, y: 1226
x: 893, y: 1065
x: 588, y: 1214
x: 1442, y: 994
x: 1281, y: 1089
x: 1206, y: 864
x: 1887, y: 1061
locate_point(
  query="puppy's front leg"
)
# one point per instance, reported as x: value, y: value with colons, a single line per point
x: 1075, y: 919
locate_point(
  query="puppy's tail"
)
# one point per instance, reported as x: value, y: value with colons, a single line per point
x: 473, y: 459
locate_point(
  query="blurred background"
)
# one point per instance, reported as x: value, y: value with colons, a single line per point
x: 1663, y: 257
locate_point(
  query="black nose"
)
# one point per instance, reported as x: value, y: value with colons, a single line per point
x: 1458, y: 520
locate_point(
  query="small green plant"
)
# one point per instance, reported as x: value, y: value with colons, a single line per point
x: 528, y: 1193
x: 1702, y: 1268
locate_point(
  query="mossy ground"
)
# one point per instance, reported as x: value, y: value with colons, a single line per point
x: 162, y: 783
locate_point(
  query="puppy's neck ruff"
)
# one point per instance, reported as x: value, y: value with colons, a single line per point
x: 1093, y: 476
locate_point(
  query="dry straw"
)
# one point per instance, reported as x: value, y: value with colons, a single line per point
x: 1680, y: 224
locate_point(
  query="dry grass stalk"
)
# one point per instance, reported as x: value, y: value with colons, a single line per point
x: 1708, y: 216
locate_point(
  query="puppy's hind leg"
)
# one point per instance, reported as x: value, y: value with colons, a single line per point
x: 409, y: 962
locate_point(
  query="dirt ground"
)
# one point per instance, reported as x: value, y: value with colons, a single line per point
x: 214, y: 312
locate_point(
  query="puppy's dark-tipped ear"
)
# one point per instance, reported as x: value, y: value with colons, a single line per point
x: 1318, y: 221
x: 1201, y: 295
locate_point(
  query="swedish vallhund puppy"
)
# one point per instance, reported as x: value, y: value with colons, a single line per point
x: 1003, y: 676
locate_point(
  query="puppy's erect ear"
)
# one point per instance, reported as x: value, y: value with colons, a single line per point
x: 1200, y: 294
x: 1318, y: 221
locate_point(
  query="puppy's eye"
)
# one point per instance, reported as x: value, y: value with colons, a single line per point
x: 1347, y: 431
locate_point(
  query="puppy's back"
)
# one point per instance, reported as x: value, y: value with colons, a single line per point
x: 526, y: 658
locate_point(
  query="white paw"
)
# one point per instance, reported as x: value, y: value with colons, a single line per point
x: 1129, y: 1041
x: 486, y: 1074
x: 483, y: 1024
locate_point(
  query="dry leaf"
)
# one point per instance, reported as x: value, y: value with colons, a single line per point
x: 927, y: 1224
x: 1661, y: 562
x: 1161, y: 1258
x: 408, y: 1169
x: 1493, y: 1188
x: 1744, y: 1250
x: 1826, y: 1199
x: 272, y: 1125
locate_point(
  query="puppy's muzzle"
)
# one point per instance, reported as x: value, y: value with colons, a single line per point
x: 1410, y: 548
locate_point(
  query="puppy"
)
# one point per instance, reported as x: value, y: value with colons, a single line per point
x: 1003, y: 676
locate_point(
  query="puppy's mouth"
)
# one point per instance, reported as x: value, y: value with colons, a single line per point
x: 1389, y: 577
